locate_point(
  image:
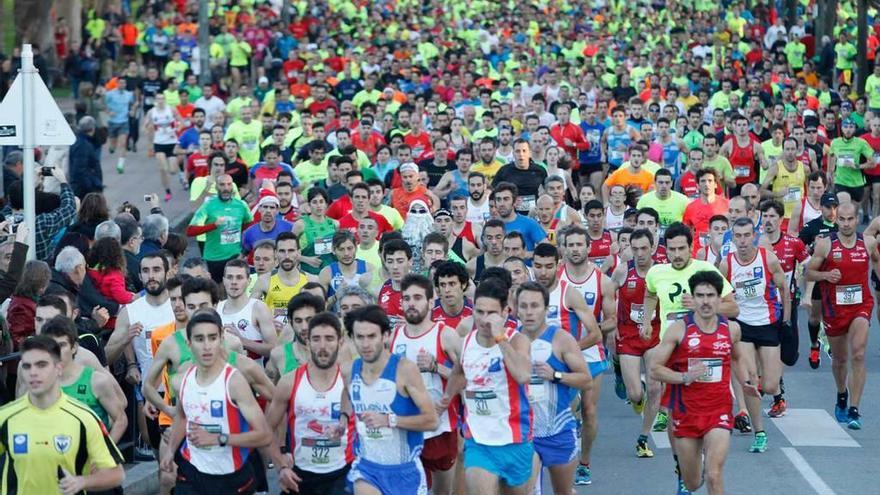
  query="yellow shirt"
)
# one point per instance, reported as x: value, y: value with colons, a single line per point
x: 490, y: 171
x: 279, y: 294
x: 36, y: 442
x: 791, y: 183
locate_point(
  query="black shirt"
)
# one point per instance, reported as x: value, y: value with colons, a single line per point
x: 527, y: 181
x: 434, y: 172
x: 149, y: 89
x: 815, y: 228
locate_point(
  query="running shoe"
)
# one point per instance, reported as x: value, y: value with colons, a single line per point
x: 143, y: 453
x: 643, y: 451
x: 841, y: 414
x: 639, y: 406
x: 760, y: 443
x: 619, y: 387
x: 854, y: 419
x: 583, y: 476
x: 661, y: 421
x: 120, y: 168
x: 743, y: 423
x: 777, y: 410
x: 167, y: 197
x: 814, y: 357
x: 682, y: 490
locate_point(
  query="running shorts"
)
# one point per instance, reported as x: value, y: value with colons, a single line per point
x: 332, y: 483
x: 629, y: 342
x: 191, y: 482
x: 440, y: 452
x: 838, y: 318
x: 557, y: 449
x: 390, y: 479
x: 689, y: 425
x: 760, y: 335
x: 512, y: 463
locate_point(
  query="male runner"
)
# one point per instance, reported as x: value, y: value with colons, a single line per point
x: 632, y: 347
x: 841, y: 263
x: 601, y: 241
x: 308, y: 401
x: 388, y: 398
x: 451, y: 305
x: 54, y: 443
x: 217, y: 418
x: 434, y: 346
x: 695, y: 358
x: 558, y: 371
x: 248, y: 319
x: 759, y: 286
x: 493, y: 249
x: 99, y: 391
x: 293, y: 344
x: 277, y: 290
x: 397, y: 261
x: 810, y: 206
x: 494, y: 371
x: 347, y: 269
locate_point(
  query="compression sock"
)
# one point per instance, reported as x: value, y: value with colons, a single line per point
x: 814, y: 333
x: 843, y: 399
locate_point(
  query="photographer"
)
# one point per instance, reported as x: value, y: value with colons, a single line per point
x: 48, y: 223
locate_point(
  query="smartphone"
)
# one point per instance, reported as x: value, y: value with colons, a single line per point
x: 147, y: 198
x: 46, y: 171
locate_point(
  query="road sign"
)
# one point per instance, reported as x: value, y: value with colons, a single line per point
x: 50, y: 126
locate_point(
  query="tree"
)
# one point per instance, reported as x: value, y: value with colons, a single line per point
x: 34, y: 25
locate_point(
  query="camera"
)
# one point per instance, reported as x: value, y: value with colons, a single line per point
x: 46, y: 171
x: 147, y: 198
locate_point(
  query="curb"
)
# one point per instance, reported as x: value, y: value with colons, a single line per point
x: 142, y: 479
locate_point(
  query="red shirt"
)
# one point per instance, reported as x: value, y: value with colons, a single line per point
x: 690, y: 188
x: 369, y: 145
x: 438, y: 314
x: 390, y: 301
x: 351, y: 223
x: 419, y: 143
x: 742, y: 159
x: 322, y: 106
x: 790, y: 251
x: 339, y: 208
x: 197, y: 165
x: 697, y: 214
x: 573, y: 133
x: 632, y: 293
x: 710, y: 397
x: 875, y: 145
x: 400, y: 199
x: 600, y: 248
x: 291, y: 68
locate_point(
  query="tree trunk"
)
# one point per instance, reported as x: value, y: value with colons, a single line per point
x: 72, y: 11
x: 33, y: 23
x: 862, y: 45
x: 826, y: 17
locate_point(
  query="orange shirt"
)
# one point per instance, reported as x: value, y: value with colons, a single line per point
x: 623, y: 176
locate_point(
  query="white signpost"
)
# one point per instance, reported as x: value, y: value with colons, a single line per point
x: 30, y: 117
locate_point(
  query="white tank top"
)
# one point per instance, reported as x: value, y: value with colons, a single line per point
x: 429, y: 342
x: 312, y: 413
x: 164, y: 123
x: 808, y: 212
x: 210, y: 406
x: 243, y: 322
x: 754, y: 290
x: 154, y: 319
x: 477, y: 214
x: 613, y: 221
x: 553, y: 316
x: 591, y: 288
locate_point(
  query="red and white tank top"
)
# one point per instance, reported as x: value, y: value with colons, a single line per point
x: 243, y: 322
x: 742, y: 159
x: 591, y: 289
x: 210, y: 407
x: 600, y: 248
x: 429, y: 342
x: 312, y: 414
x: 756, y: 294
x: 631, y: 304
x: 809, y: 212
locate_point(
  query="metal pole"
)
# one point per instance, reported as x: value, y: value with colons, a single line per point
x: 27, y: 90
x: 204, y: 44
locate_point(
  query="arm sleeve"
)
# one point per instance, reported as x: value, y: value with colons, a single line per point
x: 194, y: 230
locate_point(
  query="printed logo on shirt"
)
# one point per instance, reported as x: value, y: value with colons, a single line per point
x: 335, y: 410
x: 62, y: 443
x: 495, y: 365
x: 758, y: 271
x: 20, y: 443
x: 216, y: 408
x: 400, y: 349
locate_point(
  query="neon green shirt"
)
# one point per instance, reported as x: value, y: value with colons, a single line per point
x: 224, y: 242
x: 669, y: 284
x: 847, y: 153
x: 176, y: 69
x: 670, y: 209
x: 872, y: 90
x: 248, y: 137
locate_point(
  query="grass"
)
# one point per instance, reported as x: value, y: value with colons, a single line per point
x: 7, y: 26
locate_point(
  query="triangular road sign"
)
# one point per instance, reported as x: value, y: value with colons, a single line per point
x: 50, y: 128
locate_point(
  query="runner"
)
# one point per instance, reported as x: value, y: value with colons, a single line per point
x: 293, y: 341
x: 493, y: 372
x: 841, y: 263
x: 277, y: 290
x: 347, y: 270
x: 632, y: 347
x: 810, y: 207
x: 745, y: 154
x: 558, y: 371
x: 160, y: 123
x: 434, y: 346
x: 248, y: 319
x: 315, y: 232
x: 308, y: 403
x: 601, y: 241
x: 392, y: 409
x: 493, y: 249
x: 760, y: 284
x: 669, y: 205
x: 711, y: 252
x: 50, y: 433
x: 451, y: 305
x: 786, y: 178
x: 214, y: 455
x: 397, y: 262
x: 699, y: 376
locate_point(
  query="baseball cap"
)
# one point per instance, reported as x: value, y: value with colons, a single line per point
x: 829, y: 199
x: 848, y: 122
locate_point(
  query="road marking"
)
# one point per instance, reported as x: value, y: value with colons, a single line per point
x: 813, y: 478
x: 813, y: 428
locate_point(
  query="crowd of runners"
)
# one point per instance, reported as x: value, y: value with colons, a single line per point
x: 424, y: 233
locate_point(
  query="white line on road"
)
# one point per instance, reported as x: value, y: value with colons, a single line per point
x: 807, y: 472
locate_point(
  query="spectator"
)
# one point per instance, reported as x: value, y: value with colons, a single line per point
x: 23, y: 307
x: 107, y: 270
x: 70, y: 275
x: 13, y: 253
x: 130, y: 239
x: 12, y: 169
x: 108, y: 228
x: 93, y: 211
x: 85, y: 160
x: 155, y: 229
x: 48, y: 223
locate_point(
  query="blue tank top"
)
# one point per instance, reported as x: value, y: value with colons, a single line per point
x: 337, y: 278
x: 550, y: 401
x: 461, y: 182
x: 593, y: 133
x: 671, y: 155
x: 385, y: 445
x: 618, y: 143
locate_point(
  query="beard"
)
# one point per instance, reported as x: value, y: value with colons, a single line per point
x: 324, y: 360
x: 160, y: 288
x: 414, y: 316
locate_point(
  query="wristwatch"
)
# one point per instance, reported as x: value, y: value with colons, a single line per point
x: 222, y: 439
x: 392, y: 420
x: 557, y: 376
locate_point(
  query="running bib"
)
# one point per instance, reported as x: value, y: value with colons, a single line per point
x: 480, y: 402
x: 846, y: 161
x: 230, y: 233
x: 849, y: 294
x: 537, y: 390
x: 616, y: 155
x: 320, y: 449
x: 742, y: 171
x: 249, y: 145
x: 528, y: 202
x: 215, y: 429
x: 713, y: 371
x: 637, y: 312
x: 877, y: 155
x: 749, y: 289
x: 323, y: 246
x: 793, y: 195
x: 675, y: 315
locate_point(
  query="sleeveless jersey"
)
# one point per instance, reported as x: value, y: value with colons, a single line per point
x: 430, y: 343
x: 709, y: 394
x: 790, y: 183
x: 439, y: 315
x: 855, y: 266
x: 551, y: 230
x: 164, y: 124
x: 290, y: 360
x: 477, y: 214
x: 316, y: 240
x: 790, y: 251
x: 631, y: 305
x: 158, y: 319
x: 311, y: 415
x: 390, y: 300
x: 754, y: 290
x: 280, y: 294
x: 809, y: 212
x: 600, y: 248
x: 242, y: 320
x: 591, y: 289
x: 742, y: 159
x: 384, y: 445
x: 550, y: 402
x: 339, y: 280
x: 659, y: 257
x: 497, y: 410
x: 613, y: 221
x: 81, y: 390
x: 618, y: 143
x: 210, y: 407
x: 461, y: 186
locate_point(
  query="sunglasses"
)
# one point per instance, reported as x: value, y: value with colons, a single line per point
x: 419, y: 212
